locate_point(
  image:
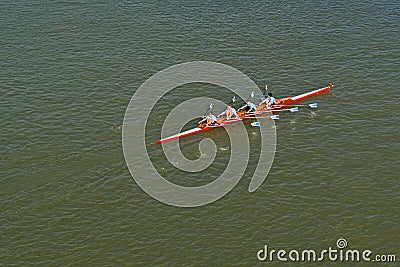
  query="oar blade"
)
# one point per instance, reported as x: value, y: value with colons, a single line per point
x: 255, y: 124
x: 295, y: 109
x: 275, y: 117
x: 313, y: 105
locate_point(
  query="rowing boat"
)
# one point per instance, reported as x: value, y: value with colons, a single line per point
x: 280, y: 105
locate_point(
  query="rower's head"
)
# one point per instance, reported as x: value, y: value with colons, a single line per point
x: 269, y: 94
x: 211, y: 113
x: 248, y: 101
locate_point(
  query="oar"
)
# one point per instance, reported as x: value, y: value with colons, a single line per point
x: 295, y: 109
x: 209, y: 108
x: 275, y: 117
x: 204, y: 116
x: 263, y: 95
x: 257, y: 123
x: 251, y: 95
x: 313, y: 105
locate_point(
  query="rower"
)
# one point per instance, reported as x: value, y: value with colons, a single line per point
x: 229, y: 112
x: 248, y: 107
x: 211, y: 119
x: 270, y: 100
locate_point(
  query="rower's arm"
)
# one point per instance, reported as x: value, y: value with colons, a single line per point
x: 221, y: 114
x: 203, y: 120
x: 242, y: 107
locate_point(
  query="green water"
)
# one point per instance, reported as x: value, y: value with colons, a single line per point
x: 68, y: 71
